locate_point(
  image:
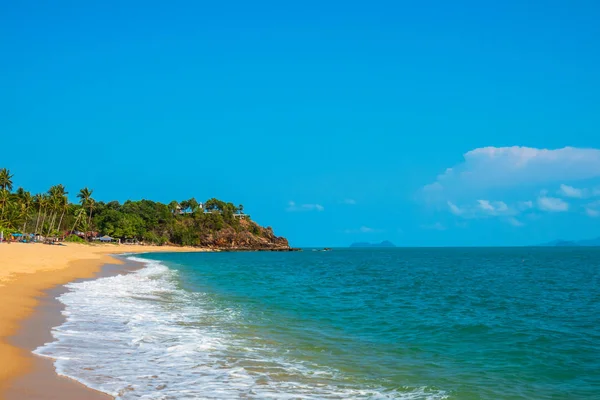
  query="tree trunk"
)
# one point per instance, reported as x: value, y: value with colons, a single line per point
x: 75, y: 224
x: 38, y: 219
x: 25, y: 223
x: 43, y: 220
x: 54, y: 220
x: 61, y: 218
x: 51, y: 223
x: 90, y: 221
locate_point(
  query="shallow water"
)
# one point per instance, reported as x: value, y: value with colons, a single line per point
x: 351, y: 323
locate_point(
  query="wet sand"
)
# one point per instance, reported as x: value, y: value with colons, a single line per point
x: 31, y: 277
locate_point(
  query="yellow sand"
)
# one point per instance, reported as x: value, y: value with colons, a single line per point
x: 26, y: 270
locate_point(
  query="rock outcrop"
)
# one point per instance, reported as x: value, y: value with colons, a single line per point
x: 249, y: 236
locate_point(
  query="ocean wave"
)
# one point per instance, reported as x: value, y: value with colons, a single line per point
x: 141, y: 336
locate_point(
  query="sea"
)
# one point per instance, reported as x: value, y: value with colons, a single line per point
x: 402, y: 323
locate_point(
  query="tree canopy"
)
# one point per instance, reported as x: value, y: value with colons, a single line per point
x: 183, y: 222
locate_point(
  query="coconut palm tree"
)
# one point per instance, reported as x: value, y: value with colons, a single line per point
x: 86, y: 200
x: 84, y: 196
x: 4, y: 198
x: 37, y: 200
x: 13, y: 215
x: 57, y: 198
x: 79, y: 214
x: 26, y: 202
x: 53, y: 206
x: 91, y: 206
x: 60, y: 190
x: 64, y: 206
x: 6, y: 179
x: 45, y: 204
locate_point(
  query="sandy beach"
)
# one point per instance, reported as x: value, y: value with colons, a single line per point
x: 30, y: 276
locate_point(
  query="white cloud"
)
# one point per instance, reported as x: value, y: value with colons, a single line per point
x: 293, y: 207
x: 552, y: 204
x: 593, y: 209
x: 515, y: 222
x: 363, y: 229
x: 505, y: 167
x: 482, y: 209
x: 438, y: 226
x: 501, y: 207
x: 350, y: 202
x: 494, y: 208
x: 485, y: 205
x: 454, y: 209
x: 524, y: 205
x: 591, y: 212
x: 570, y: 191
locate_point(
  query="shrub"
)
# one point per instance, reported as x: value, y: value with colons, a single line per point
x: 74, y: 239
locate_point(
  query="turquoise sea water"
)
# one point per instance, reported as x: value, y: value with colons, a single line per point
x: 520, y: 323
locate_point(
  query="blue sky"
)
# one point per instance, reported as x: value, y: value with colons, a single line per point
x: 332, y: 122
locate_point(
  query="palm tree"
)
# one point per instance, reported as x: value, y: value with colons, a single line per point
x: 85, y: 196
x: 4, y: 198
x: 37, y: 199
x: 241, y: 208
x: 64, y: 206
x: 13, y: 215
x: 57, y: 198
x: 6, y: 179
x: 26, y: 202
x: 78, y: 215
x: 53, y: 206
x: 91, y: 205
x: 59, y: 190
x: 44, y: 203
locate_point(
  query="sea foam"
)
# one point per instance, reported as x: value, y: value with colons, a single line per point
x: 141, y: 336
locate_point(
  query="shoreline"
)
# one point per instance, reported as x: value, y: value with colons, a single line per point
x: 42, y: 381
x: 31, y: 277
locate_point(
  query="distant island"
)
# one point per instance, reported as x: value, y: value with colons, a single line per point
x: 50, y: 217
x: 572, y: 243
x: 385, y: 243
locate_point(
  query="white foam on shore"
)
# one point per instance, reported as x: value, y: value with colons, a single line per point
x: 140, y: 336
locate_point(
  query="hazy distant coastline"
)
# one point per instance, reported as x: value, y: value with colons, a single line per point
x: 572, y: 243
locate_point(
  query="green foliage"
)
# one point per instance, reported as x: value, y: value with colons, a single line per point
x: 255, y: 230
x: 51, y: 214
x: 7, y: 231
x: 6, y: 179
x: 74, y: 239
